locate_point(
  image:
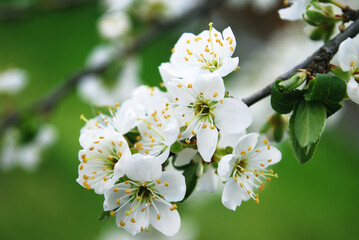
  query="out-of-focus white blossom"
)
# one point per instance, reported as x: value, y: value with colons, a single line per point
x: 12, y: 81
x: 260, y: 5
x: 101, y: 55
x: 25, y: 155
x: 295, y: 11
x: 93, y: 90
x: 114, y: 24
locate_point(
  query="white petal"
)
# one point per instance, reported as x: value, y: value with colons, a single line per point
x: 211, y: 86
x: 294, y: 12
x: 143, y: 168
x: 225, y: 166
x: 233, y: 116
x: 169, y: 222
x: 227, y: 139
x: 353, y: 90
x: 347, y: 53
x: 185, y: 156
x: 232, y: 194
x: 229, y: 65
x: 229, y: 33
x: 264, y: 155
x: 246, y: 143
x: 207, y: 142
x: 176, y: 188
x: 111, y: 196
x: 208, y: 181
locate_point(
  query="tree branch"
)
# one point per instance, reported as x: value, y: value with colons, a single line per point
x: 323, y: 54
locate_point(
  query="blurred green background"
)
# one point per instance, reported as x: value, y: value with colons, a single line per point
x: 317, y: 200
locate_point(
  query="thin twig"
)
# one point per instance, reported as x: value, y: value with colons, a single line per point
x: 328, y: 50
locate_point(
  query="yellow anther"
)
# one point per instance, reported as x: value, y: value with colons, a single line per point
x: 148, y: 229
x: 204, y: 125
x: 101, y: 137
x: 120, y: 144
x: 215, y: 94
x: 261, y: 164
x: 153, y: 139
x: 115, y: 189
x: 138, y: 138
x: 189, y: 52
x: 221, y: 101
x: 257, y: 200
x: 92, y: 177
x: 231, y: 41
x: 151, y: 146
x: 133, y: 220
x: 247, y: 177
x: 352, y: 63
x: 122, y: 223
x: 109, y: 157
x: 91, y: 148
x: 100, y: 151
x: 104, y: 168
x: 118, y: 201
x: 173, y: 49
x: 147, y: 152
x: 119, y: 153
x: 154, y: 196
x: 190, y: 85
x: 128, y: 191
x: 141, y: 229
x: 193, y: 133
x: 235, y: 179
x: 213, y: 127
x: 269, y: 160
x: 249, y: 148
x: 83, y: 157
x: 143, y: 209
x: 269, y: 179
x: 206, y: 49
x: 243, y: 152
x: 258, y: 150
x: 179, y: 136
x: 104, y: 179
x: 188, y: 41
x: 85, y: 177
x: 166, y: 184
x: 81, y: 167
x: 158, y: 216
x: 138, y: 198
x: 248, y: 191
x: 179, y: 85
x: 241, y: 184
x: 271, y: 171
x: 186, y: 58
x: 268, y: 147
x: 231, y: 48
x: 265, y: 141
x: 96, y: 142
x: 242, y: 170
x: 158, y: 181
x: 112, y: 213
x: 113, y: 143
x: 187, y: 141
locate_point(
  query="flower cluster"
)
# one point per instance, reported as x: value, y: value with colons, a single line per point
x: 127, y: 152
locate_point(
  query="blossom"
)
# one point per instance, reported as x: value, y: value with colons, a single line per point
x: 245, y: 169
x: 347, y: 59
x: 209, y: 52
x: 26, y: 155
x: 12, y: 81
x: 158, y: 130
x: 145, y: 198
x: 295, y: 11
x: 201, y: 107
x: 114, y: 25
x: 103, y: 161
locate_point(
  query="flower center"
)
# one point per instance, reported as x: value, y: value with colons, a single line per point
x: 355, y: 70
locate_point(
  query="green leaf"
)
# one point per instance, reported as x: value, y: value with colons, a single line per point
x: 303, y: 154
x: 284, y: 101
x: 104, y: 215
x: 341, y: 74
x: 229, y: 150
x: 329, y: 90
x: 134, y: 151
x: 316, y: 16
x: 309, y: 122
x: 176, y: 147
x: 191, y: 177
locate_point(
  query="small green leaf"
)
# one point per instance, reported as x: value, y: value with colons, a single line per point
x: 329, y: 90
x: 316, y: 16
x: 303, y: 154
x: 309, y: 122
x: 341, y: 74
x: 284, y: 101
x: 134, y: 151
x: 104, y: 215
x: 190, y: 174
x: 176, y: 147
x: 229, y: 150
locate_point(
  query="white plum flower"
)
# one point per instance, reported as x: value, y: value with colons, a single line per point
x: 201, y: 107
x: 12, y: 81
x: 25, y: 155
x: 103, y: 161
x: 145, y: 198
x: 245, y: 170
x: 295, y: 11
x: 209, y: 52
x: 158, y: 130
x: 114, y: 25
x: 147, y: 96
x: 347, y: 59
x: 100, y: 55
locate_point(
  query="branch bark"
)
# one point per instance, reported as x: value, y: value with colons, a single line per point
x: 324, y: 53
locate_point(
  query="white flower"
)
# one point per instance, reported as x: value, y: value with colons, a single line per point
x: 118, y: 5
x: 347, y: 59
x: 103, y: 161
x: 159, y: 130
x: 101, y: 55
x: 114, y: 25
x: 245, y: 170
x: 209, y: 52
x: 25, y: 155
x: 147, y: 96
x: 295, y: 11
x: 208, y: 181
x: 93, y: 90
x: 201, y: 107
x: 12, y: 81
x: 144, y: 199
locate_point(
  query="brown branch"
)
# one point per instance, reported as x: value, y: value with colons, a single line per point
x: 48, y: 103
x: 324, y: 53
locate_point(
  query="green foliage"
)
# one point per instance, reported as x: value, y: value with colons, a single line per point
x: 283, y: 101
x: 341, y: 74
x: 308, y: 122
x: 191, y: 173
x: 176, y: 147
x: 104, y: 215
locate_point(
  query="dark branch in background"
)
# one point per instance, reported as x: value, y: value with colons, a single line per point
x: 317, y: 62
x: 48, y: 103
